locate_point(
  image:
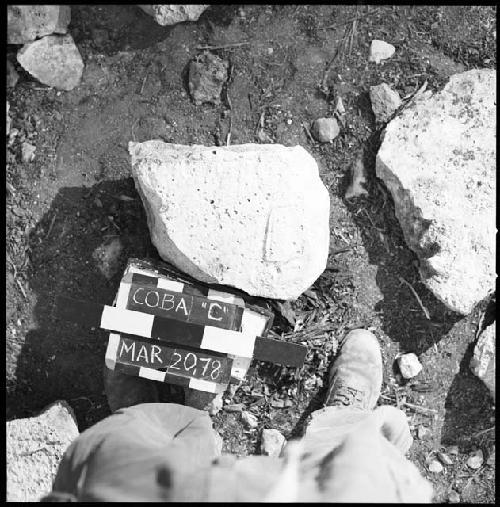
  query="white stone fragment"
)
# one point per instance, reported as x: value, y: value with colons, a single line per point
x: 249, y: 420
x: 35, y: 447
x: 54, y: 60
x: 255, y: 217
x: 380, y: 50
x: 173, y: 13
x: 438, y: 160
x: 409, y: 365
x: 483, y: 362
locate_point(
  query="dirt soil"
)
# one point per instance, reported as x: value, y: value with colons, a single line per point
x: 73, y: 217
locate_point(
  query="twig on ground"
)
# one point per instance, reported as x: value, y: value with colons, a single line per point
x: 339, y: 250
x: 50, y: 227
x: 144, y: 82
x: 228, y: 138
x: 308, y: 132
x: 223, y: 46
x: 21, y: 288
x: 482, y: 432
x: 416, y: 408
x: 424, y: 309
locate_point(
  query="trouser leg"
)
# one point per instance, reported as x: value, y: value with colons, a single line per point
x: 119, y: 458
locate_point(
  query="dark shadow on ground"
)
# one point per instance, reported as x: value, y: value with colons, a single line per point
x: 468, y: 406
x: 60, y: 360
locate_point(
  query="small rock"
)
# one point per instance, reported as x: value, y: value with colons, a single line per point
x: 380, y: 50
x: 249, y: 420
x: 325, y: 130
x: 453, y: 449
x: 171, y: 14
x: 288, y: 403
x: 271, y: 443
x: 207, y: 75
x: 475, y: 460
x: 27, y: 152
x: 358, y: 179
x: 12, y: 75
x: 423, y: 433
x: 385, y: 101
x: 237, y: 407
x: 54, y: 61
x: 435, y: 467
x: 453, y: 497
x: 25, y: 23
x: 409, y: 365
x: 483, y: 362
x: 444, y: 458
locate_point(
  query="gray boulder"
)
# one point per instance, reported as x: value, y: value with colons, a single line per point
x: 25, y: 23
x: 35, y: 447
x: 438, y: 159
x: 54, y: 61
x: 385, y: 101
x: 172, y: 14
x: 252, y: 216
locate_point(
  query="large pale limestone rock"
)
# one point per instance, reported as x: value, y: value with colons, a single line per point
x: 54, y: 61
x: 438, y: 159
x: 250, y: 216
x: 172, y: 14
x: 25, y: 23
x: 35, y: 447
x: 483, y: 362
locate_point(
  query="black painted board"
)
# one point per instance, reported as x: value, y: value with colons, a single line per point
x: 184, y: 307
x: 284, y: 353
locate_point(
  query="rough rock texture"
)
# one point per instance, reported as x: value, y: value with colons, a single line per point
x: 53, y: 60
x: 325, y: 130
x: 438, y: 159
x: 483, y: 362
x: 409, y: 365
x: 172, y: 14
x: 207, y: 75
x: 251, y: 216
x: 380, y: 50
x: 272, y: 442
x: 35, y: 447
x: 25, y: 23
x: 385, y: 101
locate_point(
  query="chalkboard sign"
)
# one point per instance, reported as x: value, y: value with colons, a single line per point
x: 196, y: 364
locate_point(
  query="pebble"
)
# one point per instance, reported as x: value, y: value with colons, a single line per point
x: 453, y: 449
x: 249, y: 420
x: 435, y: 467
x: 453, y: 497
x: 424, y: 433
x: 272, y: 442
x: 380, y: 50
x: 444, y: 458
x: 358, y: 180
x: 475, y: 460
x: 409, y: 365
x: 385, y: 101
x: 339, y: 107
x: 27, y: 152
x: 325, y: 130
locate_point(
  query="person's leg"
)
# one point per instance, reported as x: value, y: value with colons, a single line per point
x: 119, y: 458
x: 355, y: 453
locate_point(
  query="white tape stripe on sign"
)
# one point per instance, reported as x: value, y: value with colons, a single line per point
x: 127, y: 321
x: 170, y: 285
x: 152, y: 374
x: 203, y: 385
x: 229, y: 342
x: 225, y: 297
x: 111, y: 351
